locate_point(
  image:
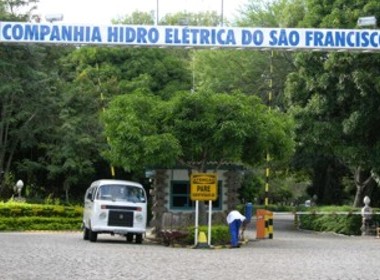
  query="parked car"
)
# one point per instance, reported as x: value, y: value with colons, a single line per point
x: 115, y: 207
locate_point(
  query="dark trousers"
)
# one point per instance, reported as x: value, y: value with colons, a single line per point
x: 234, y: 232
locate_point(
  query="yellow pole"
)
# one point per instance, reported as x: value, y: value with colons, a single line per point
x: 267, y: 169
x: 270, y: 226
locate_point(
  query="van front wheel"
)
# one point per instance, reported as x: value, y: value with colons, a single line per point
x: 129, y: 237
x: 93, y: 236
x: 139, y: 238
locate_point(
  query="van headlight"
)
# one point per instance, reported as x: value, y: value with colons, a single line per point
x: 103, y: 216
x: 139, y: 217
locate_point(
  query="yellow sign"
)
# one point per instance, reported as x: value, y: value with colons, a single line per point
x: 204, y: 186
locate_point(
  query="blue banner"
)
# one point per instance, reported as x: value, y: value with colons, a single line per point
x: 192, y: 36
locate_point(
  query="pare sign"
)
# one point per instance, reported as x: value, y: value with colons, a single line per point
x: 204, y: 186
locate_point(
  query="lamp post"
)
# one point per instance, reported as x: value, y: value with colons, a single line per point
x: 221, y: 13
x: 157, y: 12
x: 367, y: 213
x: 19, y: 186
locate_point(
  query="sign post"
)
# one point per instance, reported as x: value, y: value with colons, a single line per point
x: 203, y: 188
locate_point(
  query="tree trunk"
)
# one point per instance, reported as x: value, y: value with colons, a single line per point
x: 358, y: 196
x: 363, y: 181
x: 66, y: 186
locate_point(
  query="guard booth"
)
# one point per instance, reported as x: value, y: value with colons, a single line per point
x: 264, y: 224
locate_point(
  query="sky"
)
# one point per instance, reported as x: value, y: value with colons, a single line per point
x: 102, y: 11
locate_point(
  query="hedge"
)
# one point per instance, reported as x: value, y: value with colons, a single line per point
x: 343, y: 220
x: 16, y: 216
x: 219, y: 234
x: 39, y: 223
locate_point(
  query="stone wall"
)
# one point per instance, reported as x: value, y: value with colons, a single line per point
x: 160, y: 197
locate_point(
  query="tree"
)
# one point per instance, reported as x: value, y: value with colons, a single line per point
x: 136, y: 18
x: 231, y: 70
x: 92, y: 77
x: 72, y: 149
x: 27, y: 99
x: 269, y: 13
x: 19, y: 10
x: 260, y: 73
x: 191, y: 19
x: 117, y: 71
x: 263, y: 66
x: 193, y: 130
x: 334, y: 99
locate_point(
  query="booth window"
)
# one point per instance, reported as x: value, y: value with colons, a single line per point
x: 180, y: 196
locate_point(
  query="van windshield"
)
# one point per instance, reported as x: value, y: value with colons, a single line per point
x: 121, y: 193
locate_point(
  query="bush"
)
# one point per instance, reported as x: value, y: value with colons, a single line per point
x: 219, y: 234
x: 39, y: 223
x: 273, y: 208
x: 16, y: 216
x: 334, y: 219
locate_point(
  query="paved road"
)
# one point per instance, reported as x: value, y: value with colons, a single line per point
x: 290, y: 255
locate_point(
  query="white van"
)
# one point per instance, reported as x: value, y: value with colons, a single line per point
x: 115, y: 207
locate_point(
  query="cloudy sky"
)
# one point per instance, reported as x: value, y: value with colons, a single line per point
x: 102, y: 11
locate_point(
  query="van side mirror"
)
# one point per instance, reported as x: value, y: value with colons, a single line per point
x: 89, y: 196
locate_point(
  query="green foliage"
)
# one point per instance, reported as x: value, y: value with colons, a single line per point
x: 217, y: 71
x: 260, y: 14
x: 188, y: 128
x: 332, y: 220
x: 268, y: 13
x: 39, y: 223
x: 55, y: 141
x: 285, y: 188
x: 30, y: 94
x: 25, y: 209
x: 16, y: 10
x: 334, y: 100
x: 52, y: 201
x: 25, y: 106
x: 343, y: 224
x: 24, y: 216
x: 136, y: 132
x: 252, y: 185
x: 8, y: 184
x: 51, y: 98
x: 275, y: 208
x: 139, y: 18
x: 192, y: 19
x: 115, y: 71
